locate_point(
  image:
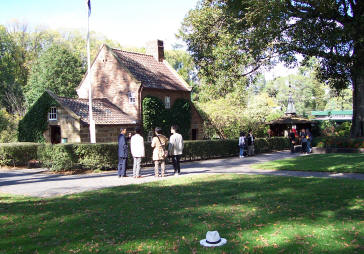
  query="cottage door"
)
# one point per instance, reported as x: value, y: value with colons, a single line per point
x: 55, y: 134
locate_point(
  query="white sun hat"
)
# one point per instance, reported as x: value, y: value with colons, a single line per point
x: 213, y: 239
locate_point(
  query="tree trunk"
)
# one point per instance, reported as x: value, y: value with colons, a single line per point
x: 357, y: 127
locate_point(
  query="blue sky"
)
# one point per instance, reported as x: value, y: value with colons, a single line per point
x: 130, y: 22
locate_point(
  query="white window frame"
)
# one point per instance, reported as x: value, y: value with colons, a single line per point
x: 52, y: 114
x: 131, y: 98
x: 167, y: 101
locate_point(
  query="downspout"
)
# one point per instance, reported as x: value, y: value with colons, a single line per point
x: 140, y: 105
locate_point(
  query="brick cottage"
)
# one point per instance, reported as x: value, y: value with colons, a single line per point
x: 120, y: 81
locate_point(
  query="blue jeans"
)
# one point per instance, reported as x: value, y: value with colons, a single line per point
x: 241, y: 151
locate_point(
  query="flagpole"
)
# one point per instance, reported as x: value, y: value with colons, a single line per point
x: 92, y: 122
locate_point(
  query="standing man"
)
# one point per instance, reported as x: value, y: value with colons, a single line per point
x: 292, y: 140
x: 122, y: 153
x: 137, y: 151
x: 175, y: 148
x: 250, y: 142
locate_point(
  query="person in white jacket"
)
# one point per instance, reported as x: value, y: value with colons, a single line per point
x: 137, y: 151
x: 175, y: 149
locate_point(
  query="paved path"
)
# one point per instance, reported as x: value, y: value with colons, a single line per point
x: 40, y: 183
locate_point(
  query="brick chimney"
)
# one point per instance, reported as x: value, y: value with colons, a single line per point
x: 156, y: 49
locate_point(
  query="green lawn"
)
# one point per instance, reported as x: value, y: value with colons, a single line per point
x: 332, y: 162
x: 256, y: 214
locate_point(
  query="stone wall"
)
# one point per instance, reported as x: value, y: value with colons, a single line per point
x: 70, y: 127
x: 104, y: 133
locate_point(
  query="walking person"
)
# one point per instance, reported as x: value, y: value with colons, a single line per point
x: 122, y: 153
x: 175, y: 149
x: 241, y: 144
x: 137, y: 151
x: 159, y: 143
x: 250, y: 143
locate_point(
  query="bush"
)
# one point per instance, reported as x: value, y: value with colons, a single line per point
x: 18, y: 154
x: 338, y: 142
x: 60, y: 157
x: 97, y: 156
x: 331, y: 128
x: 63, y: 157
x: 8, y: 127
x: 34, y: 123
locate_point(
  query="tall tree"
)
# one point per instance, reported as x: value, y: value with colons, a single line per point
x: 10, y: 73
x: 58, y: 69
x: 332, y: 31
x: 222, y: 66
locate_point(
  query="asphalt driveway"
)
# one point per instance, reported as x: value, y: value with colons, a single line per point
x: 42, y: 183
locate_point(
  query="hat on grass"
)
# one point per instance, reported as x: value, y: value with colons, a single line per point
x: 213, y: 239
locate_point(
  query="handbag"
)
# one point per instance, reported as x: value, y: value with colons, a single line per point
x: 162, y: 153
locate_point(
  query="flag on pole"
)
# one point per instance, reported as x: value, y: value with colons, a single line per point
x: 89, y: 7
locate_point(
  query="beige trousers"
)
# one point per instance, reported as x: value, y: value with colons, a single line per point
x: 156, y: 167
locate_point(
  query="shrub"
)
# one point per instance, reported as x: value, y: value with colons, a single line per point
x: 18, y: 154
x: 338, y: 142
x: 155, y: 114
x: 34, y: 123
x: 97, y: 156
x: 62, y: 157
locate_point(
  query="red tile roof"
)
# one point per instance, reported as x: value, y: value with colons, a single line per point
x: 150, y: 72
x: 104, y: 112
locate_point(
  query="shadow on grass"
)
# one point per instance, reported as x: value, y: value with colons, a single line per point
x: 338, y: 163
x: 257, y: 214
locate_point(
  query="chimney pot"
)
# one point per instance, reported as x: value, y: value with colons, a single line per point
x: 156, y: 49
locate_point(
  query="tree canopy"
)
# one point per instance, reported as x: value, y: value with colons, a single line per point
x: 10, y: 71
x: 58, y: 69
x: 239, y: 36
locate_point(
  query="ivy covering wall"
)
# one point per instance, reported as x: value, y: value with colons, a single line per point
x: 155, y: 114
x: 34, y: 123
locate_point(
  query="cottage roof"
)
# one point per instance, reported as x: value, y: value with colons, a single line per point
x: 151, y: 72
x: 290, y: 120
x: 104, y: 112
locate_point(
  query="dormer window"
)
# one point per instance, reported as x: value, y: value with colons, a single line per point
x: 167, y: 101
x: 52, y: 114
x: 131, y: 97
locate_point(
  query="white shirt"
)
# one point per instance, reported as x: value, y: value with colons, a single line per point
x: 175, y: 146
x: 137, y: 146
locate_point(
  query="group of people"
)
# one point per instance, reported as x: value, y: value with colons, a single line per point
x: 305, y: 137
x: 246, y: 144
x: 162, y: 148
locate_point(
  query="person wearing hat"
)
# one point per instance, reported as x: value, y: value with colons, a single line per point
x: 213, y: 239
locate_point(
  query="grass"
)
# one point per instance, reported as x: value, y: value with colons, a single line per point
x: 333, y: 162
x: 256, y: 214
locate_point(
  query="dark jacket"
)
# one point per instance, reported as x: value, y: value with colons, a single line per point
x: 123, y: 147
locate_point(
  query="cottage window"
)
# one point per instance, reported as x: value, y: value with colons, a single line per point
x: 131, y: 97
x: 167, y: 101
x: 52, y: 114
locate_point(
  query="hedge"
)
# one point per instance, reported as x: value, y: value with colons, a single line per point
x: 338, y: 142
x: 18, y: 154
x: 62, y: 157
